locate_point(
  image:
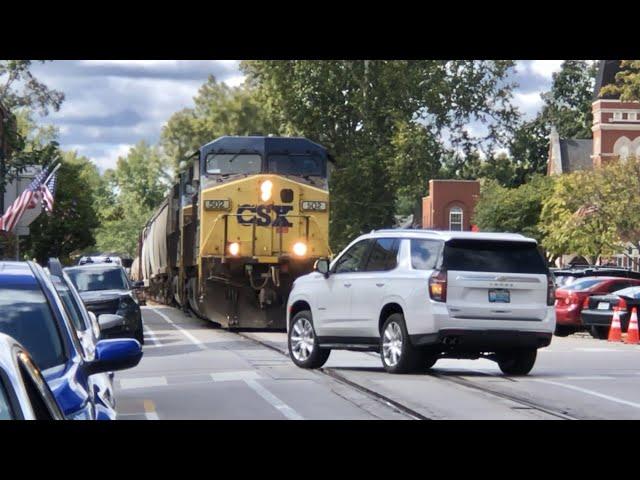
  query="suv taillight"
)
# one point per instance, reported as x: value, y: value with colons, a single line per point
x: 551, y: 291
x: 438, y: 286
x: 585, y: 304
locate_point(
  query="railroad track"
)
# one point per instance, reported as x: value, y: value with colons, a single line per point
x: 524, y: 403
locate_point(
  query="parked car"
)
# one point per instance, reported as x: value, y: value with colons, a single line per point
x: 32, y: 312
x: 416, y: 296
x: 106, y: 289
x: 86, y: 326
x: 565, y: 276
x: 571, y: 298
x: 597, y: 311
x: 24, y: 393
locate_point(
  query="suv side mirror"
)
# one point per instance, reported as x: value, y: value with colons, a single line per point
x: 108, y: 321
x: 322, y: 266
x: 112, y: 355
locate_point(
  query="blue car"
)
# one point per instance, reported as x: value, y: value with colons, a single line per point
x: 24, y: 394
x: 32, y: 312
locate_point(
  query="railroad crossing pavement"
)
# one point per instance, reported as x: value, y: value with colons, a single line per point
x: 193, y: 370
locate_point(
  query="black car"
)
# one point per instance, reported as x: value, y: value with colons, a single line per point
x: 598, y: 310
x: 565, y: 276
x: 105, y: 288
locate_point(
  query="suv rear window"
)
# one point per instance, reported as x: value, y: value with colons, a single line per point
x: 493, y: 256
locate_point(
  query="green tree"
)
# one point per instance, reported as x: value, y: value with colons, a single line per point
x: 627, y: 82
x: 364, y: 112
x: 575, y: 217
x: 128, y: 195
x: 72, y: 223
x: 218, y: 110
x: 21, y: 93
x: 515, y: 210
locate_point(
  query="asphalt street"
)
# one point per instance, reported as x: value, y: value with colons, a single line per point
x: 193, y: 370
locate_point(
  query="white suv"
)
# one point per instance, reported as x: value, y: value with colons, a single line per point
x: 416, y: 295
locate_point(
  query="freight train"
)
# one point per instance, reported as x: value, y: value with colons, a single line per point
x: 247, y: 216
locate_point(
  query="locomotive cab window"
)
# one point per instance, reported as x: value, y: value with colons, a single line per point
x: 233, y: 163
x: 301, y: 165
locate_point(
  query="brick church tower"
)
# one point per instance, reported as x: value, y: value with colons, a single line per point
x: 616, y: 131
x: 616, y: 124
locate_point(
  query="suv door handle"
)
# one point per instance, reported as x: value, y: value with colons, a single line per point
x: 347, y: 285
x: 379, y: 284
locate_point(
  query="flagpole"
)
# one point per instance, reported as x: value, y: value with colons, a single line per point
x: 51, y: 174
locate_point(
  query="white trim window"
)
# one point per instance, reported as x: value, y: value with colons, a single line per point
x: 455, y: 219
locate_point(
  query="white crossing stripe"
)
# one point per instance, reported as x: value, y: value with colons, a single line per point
x: 591, y: 392
x: 285, y: 409
x: 152, y: 336
x: 594, y: 377
x: 187, y: 334
x: 142, y: 382
x: 237, y: 375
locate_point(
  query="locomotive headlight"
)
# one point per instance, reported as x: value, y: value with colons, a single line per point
x: 234, y: 248
x: 300, y: 249
x: 266, y: 189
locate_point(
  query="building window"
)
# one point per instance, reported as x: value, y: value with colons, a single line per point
x: 617, y: 115
x: 632, y: 116
x: 455, y: 219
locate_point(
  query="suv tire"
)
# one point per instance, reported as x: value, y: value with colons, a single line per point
x: 304, y: 349
x: 396, y: 352
x: 564, y: 331
x: 517, y: 362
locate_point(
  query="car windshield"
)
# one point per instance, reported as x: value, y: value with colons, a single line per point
x: 230, y: 163
x: 301, y: 165
x: 583, y: 284
x: 493, y: 256
x: 630, y: 292
x: 25, y: 315
x: 88, y: 280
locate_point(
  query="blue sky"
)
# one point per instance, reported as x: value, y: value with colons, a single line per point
x: 112, y: 104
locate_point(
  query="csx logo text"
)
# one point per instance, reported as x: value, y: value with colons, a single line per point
x: 261, y: 215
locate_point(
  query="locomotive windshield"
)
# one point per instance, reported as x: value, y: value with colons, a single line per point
x: 231, y: 163
x: 292, y: 164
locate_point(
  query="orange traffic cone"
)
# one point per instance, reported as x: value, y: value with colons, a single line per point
x: 632, y: 331
x: 615, y: 332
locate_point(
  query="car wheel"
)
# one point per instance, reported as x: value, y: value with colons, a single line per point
x: 517, y: 362
x: 303, y: 343
x: 563, y: 331
x: 396, y: 351
x: 601, y: 333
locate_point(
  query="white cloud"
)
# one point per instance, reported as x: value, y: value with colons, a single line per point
x: 528, y: 102
x: 104, y: 155
x: 545, y: 68
x: 234, y: 81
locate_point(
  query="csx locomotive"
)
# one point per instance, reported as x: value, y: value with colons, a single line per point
x: 246, y: 218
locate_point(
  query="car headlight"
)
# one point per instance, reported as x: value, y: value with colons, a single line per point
x: 126, y: 302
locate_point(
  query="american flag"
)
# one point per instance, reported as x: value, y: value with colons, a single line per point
x: 28, y: 199
x: 48, y: 193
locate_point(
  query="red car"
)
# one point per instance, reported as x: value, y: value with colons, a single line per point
x: 570, y: 299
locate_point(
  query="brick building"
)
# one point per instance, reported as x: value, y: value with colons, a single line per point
x: 616, y: 135
x: 450, y: 204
